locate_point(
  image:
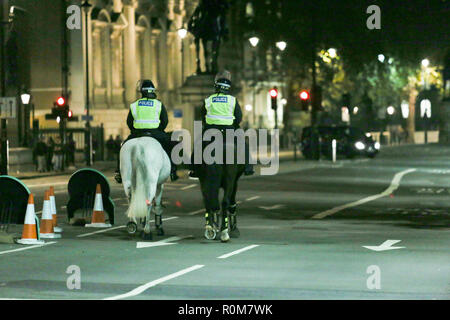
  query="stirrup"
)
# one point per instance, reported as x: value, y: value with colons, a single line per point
x: 118, y: 177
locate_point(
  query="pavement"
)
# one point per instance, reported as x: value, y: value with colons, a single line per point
x: 354, y: 229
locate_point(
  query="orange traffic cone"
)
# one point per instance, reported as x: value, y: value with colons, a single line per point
x: 53, y: 210
x: 98, y: 216
x: 46, y: 226
x: 30, y: 234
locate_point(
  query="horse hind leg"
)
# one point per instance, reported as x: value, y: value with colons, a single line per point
x: 146, y: 234
x: 159, y: 211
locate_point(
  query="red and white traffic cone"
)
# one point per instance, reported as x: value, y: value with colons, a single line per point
x: 98, y: 215
x: 30, y: 234
x: 53, y: 210
x: 46, y: 226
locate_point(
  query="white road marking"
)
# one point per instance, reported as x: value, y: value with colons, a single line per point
x: 196, y: 212
x: 100, y: 231
x: 27, y: 248
x: 387, y: 245
x: 188, y: 187
x: 109, y: 229
x: 393, y: 186
x: 252, y: 198
x: 153, y: 283
x: 47, y: 184
x: 237, y: 251
x: 163, y: 242
x: 277, y: 206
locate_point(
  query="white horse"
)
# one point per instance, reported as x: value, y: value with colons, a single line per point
x: 144, y: 166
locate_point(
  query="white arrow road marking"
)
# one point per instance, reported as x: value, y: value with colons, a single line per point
x: 144, y: 287
x: 164, y: 242
x: 393, y: 186
x: 387, y: 245
x: 277, y: 206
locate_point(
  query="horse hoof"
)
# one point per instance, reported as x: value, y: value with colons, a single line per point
x: 210, y: 233
x: 224, y: 237
x: 146, y: 236
x: 235, y: 233
x: 131, y: 227
x: 160, y: 231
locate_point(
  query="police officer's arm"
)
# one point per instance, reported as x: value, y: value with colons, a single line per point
x: 163, y: 118
x: 130, y: 120
x: 237, y: 115
x: 203, y: 113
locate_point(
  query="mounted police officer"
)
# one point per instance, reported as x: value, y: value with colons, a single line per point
x: 148, y: 117
x: 221, y: 111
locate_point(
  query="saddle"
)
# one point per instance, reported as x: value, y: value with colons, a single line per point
x: 138, y: 135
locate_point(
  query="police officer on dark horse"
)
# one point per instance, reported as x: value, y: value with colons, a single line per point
x: 220, y: 111
x: 148, y: 117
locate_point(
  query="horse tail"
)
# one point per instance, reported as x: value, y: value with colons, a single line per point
x: 140, y: 186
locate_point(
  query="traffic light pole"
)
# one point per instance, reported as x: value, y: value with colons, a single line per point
x: 4, y: 132
x: 88, y: 137
x: 315, y: 141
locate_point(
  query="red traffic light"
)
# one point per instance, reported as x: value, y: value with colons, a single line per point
x: 60, y: 101
x: 273, y: 93
x: 69, y: 114
x: 304, y: 95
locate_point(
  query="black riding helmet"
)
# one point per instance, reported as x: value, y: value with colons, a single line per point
x: 146, y: 88
x: 222, y: 85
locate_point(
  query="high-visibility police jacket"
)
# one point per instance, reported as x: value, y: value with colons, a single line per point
x: 220, y: 109
x: 146, y: 113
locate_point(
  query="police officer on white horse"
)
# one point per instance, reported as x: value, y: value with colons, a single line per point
x: 148, y: 117
x: 221, y: 111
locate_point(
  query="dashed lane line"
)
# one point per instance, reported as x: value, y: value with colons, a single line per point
x: 27, y: 248
x: 252, y: 198
x: 153, y: 283
x: 395, y: 183
x: 224, y: 256
x: 189, y: 186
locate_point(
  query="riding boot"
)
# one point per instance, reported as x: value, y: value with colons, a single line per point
x: 117, y: 175
x: 248, y: 169
x: 192, y: 167
x: 173, y: 172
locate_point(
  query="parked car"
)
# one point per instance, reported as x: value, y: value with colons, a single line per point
x: 350, y: 142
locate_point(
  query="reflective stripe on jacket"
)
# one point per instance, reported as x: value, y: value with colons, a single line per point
x: 146, y: 113
x: 220, y: 109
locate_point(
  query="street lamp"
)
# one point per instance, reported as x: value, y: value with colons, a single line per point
x: 88, y: 138
x: 332, y: 53
x: 381, y: 58
x: 254, y: 42
x: 425, y: 62
x: 390, y: 110
x: 182, y: 34
x: 281, y: 45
